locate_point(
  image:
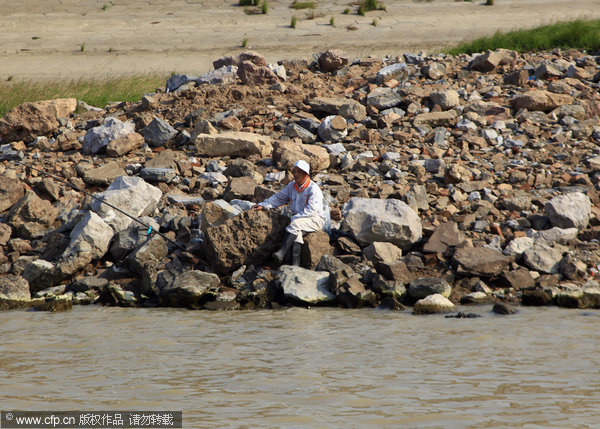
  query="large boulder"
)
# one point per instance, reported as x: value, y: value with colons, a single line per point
x: 383, y: 98
x: 134, y: 235
x: 11, y: 191
x: 423, y: 287
x: 14, y: 292
x: 286, y: 153
x: 390, y: 220
x: 488, y: 61
x: 92, y: 230
x: 571, y: 210
x: 31, y: 216
x: 216, y: 213
x: 29, y: 120
x: 304, y: 285
x: 541, y: 100
x: 249, y: 238
x: 444, y: 236
x: 346, y: 107
x: 130, y: 194
x: 177, y: 288
x: 433, y: 304
x: 543, y: 258
x: 233, y: 143
x: 332, y: 60
x: 480, y: 261
x: 316, y: 245
x: 378, y: 252
x: 39, y: 274
x: 97, y: 138
x: 147, y: 260
x: 252, y: 74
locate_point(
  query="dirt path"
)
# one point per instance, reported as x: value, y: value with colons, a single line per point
x: 85, y: 38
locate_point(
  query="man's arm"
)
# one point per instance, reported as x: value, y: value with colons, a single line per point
x: 279, y: 199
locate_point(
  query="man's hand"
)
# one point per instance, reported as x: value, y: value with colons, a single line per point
x: 257, y: 207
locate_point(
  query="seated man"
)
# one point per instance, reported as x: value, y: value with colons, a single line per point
x: 306, y: 203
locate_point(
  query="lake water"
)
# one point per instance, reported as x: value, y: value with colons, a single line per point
x: 309, y: 368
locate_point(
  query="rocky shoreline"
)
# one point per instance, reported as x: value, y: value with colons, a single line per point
x: 467, y: 179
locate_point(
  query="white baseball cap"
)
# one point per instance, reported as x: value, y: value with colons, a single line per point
x: 303, y: 165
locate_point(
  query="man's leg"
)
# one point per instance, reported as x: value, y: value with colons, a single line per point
x: 305, y: 224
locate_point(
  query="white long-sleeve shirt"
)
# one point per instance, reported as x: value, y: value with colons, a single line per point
x: 306, y: 203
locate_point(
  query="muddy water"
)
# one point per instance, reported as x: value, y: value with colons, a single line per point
x: 309, y: 368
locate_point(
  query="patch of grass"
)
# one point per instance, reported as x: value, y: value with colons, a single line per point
x: 489, y: 3
x: 374, y: 22
x: 264, y: 8
x: 578, y: 34
x: 303, y: 4
x: 96, y: 92
x: 293, y: 22
x: 346, y: 11
x: 332, y: 21
x: 246, y: 3
x: 82, y: 47
x: 369, y: 5
x: 245, y: 42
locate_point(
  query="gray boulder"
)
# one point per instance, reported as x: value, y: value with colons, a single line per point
x: 444, y: 236
x: 177, y: 288
x: 333, y: 128
x: 382, y: 252
x: 158, y: 132
x: 304, y: 285
x: 398, y: 71
x: 39, y: 274
x: 543, y: 258
x: 97, y: 138
x: 157, y: 174
x: 221, y: 76
x: 127, y: 240
x: 295, y: 130
x: 423, y: 287
x: 147, y: 261
x: 177, y: 80
x: 132, y: 195
x: 390, y: 220
x: 571, y: 210
x: 346, y: 107
x: 92, y: 230
x: 14, y: 292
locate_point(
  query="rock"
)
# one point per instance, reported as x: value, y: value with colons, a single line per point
x: 332, y: 60
x: 29, y: 120
x: 543, y: 258
x: 540, y: 100
x: 31, y: 217
x: 446, y: 99
x: 518, y: 78
x: 240, y: 188
x: 397, y: 71
x: 92, y: 230
x: 253, y: 57
x: 476, y: 298
x: 545, y: 71
x: 11, y: 191
x: 491, y: 59
x: 436, y: 119
x: 333, y: 128
x: 177, y: 288
x: 555, y: 235
x: 416, y: 198
x: 14, y: 292
x: 434, y: 71
x: 503, y: 309
x: 251, y: 74
x: 132, y: 195
x: 134, y: 235
x: 216, y: 213
x: 390, y: 220
x: 39, y: 274
x: 104, y: 175
x: 346, y: 107
x: 221, y: 76
x: 387, y: 253
x: 304, y: 285
x: 5, y: 233
x: 518, y: 246
x: 316, y: 245
x: 433, y: 304
x: 572, y: 210
x: 158, y: 132
x: 423, y: 287
x: 536, y: 297
x: 158, y: 174
x: 233, y: 143
x: 352, y: 294
x: 123, y: 145
x: 572, y: 268
x: 520, y: 278
x: 177, y: 80
x: 54, y: 304
x: 249, y: 238
x: 287, y: 153
x: 384, y: 98
x: 446, y: 235
x: 295, y: 130
x: 147, y: 260
x: 480, y: 261
x: 97, y: 138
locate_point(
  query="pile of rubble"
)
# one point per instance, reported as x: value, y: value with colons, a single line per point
x: 450, y: 179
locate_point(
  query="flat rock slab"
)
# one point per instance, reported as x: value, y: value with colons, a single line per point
x: 233, y: 143
x: 480, y: 261
x: 305, y: 285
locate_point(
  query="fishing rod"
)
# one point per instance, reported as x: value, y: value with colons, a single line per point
x: 150, y: 229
